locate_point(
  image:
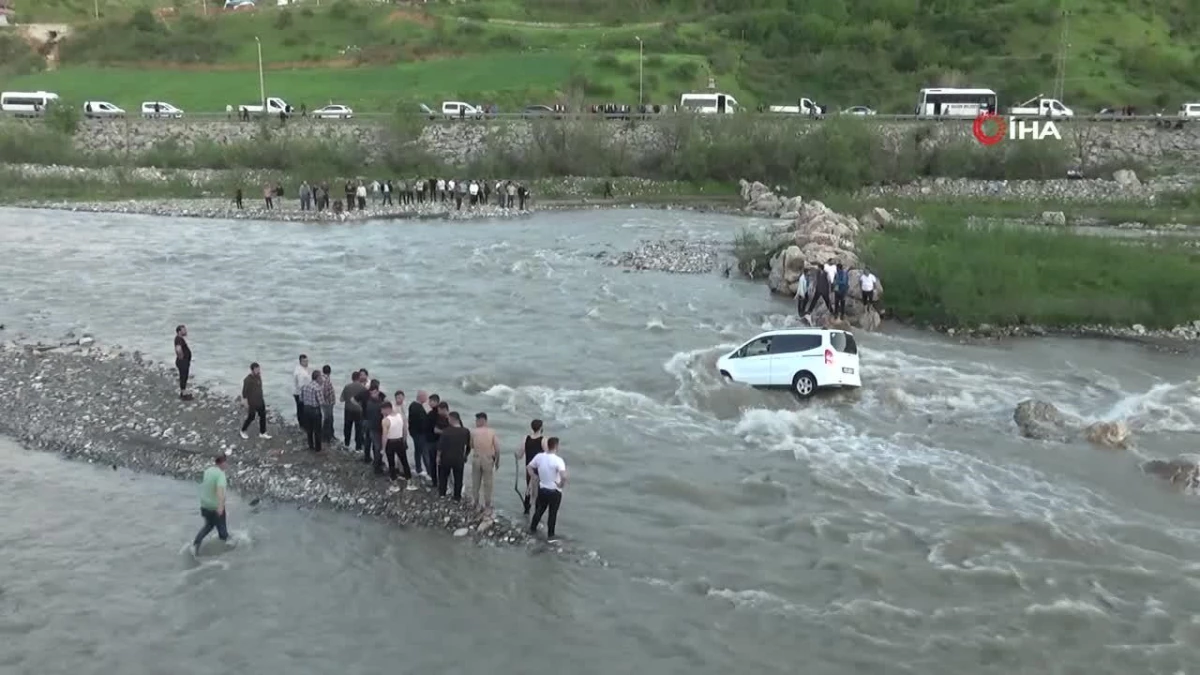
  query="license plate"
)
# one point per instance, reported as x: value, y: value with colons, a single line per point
x: 848, y: 371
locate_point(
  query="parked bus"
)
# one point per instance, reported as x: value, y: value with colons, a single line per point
x: 956, y: 102
x: 710, y: 103
x: 26, y: 104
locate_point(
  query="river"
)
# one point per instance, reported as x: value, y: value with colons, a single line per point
x: 904, y: 528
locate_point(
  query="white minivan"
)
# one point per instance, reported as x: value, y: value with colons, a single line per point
x: 455, y: 109
x: 800, y: 359
x: 158, y: 109
x: 101, y: 109
x: 710, y: 103
x: 1189, y: 110
x: 26, y: 103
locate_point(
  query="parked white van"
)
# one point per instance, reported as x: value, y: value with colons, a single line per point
x: 1189, y: 110
x: 709, y: 103
x: 153, y: 109
x: 26, y: 103
x: 800, y: 359
x: 455, y: 109
x: 101, y: 109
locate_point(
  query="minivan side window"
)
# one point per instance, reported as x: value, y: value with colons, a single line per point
x: 844, y: 343
x: 757, y: 348
x: 786, y: 344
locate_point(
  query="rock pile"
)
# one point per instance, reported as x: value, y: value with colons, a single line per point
x: 1043, y: 421
x: 680, y: 256
x: 287, y: 211
x: 107, y: 406
x: 812, y: 235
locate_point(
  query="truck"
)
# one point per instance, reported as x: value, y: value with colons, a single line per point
x: 1039, y: 106
x: 804, y: 106
x: 275, y: 106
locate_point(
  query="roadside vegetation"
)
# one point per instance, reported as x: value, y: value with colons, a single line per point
x: 837, y: 156
x: 517, y: 52
x: 945, y: 273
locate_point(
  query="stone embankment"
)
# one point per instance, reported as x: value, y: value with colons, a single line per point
x: 462, y: 142
x: 1123, y: 186
x: 106, y: 406
x: 1043, y: 421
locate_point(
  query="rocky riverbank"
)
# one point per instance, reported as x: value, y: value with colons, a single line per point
x: 286, y: 211
x: 678, y: 256
x: 807, y: 233
x: 1123, y: 186
x: 103, y: 405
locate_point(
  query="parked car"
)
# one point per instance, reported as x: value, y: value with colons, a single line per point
x: 101, y: 109
x: 333, y: 111
x: 458, y: 109
x: 858, y: 110
x: 800, y: 359
x: 159, y: 109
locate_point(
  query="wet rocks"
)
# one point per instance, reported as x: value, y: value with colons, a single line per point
x: 1043, y: 421
x: 1182, y: 472
x: 679, y: 256
x: 103, y: 405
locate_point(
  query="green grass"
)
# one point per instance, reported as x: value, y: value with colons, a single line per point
x: 947, y: 274
x: 845, y: 52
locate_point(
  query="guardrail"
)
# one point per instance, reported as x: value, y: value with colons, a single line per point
x: 440, y: 119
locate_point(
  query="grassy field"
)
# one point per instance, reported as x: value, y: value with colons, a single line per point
x: 365, y: 88
x: 770, y: 51
x: 947, y: 274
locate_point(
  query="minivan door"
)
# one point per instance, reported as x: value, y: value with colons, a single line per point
x: 791, y: 354
x: 752, y: 363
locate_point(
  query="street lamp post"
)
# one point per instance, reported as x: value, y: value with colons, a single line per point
x: 97, y: 6
x: 640, y: 62
x: 262, y: 82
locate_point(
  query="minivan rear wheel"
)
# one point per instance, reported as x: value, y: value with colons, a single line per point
x: 804, y: 385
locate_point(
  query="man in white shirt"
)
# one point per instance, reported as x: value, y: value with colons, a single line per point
x: 831, y: 270
x: 361, y: 193
x: 474, y: 190
x: 868, y: 281
x: 551, y: 473
x: 441, y: 189
x: 301, y: 376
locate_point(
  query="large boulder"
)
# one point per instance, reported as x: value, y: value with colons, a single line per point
x: 1113, y: 435
x: 1043, y: 421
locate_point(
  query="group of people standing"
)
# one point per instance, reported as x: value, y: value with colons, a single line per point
x: 360, y: 194
x: 381, y: 429
x: 819, y: 281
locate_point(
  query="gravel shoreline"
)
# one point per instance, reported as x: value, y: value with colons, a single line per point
x: 288, y: 211
x: 103, y: 405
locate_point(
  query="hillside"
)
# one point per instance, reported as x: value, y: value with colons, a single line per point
x: 515, y: 52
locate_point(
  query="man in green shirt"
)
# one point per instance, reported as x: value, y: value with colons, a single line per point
x: 212, y: 503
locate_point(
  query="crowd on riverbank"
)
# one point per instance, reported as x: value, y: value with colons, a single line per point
x: 380, y: 429
x: 361, y: 194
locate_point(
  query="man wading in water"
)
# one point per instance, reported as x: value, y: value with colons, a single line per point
x: 183, y: 361
x: 551, y: 472
x: 212, y: 503
x: 534, y: 444
x: 256, y: 405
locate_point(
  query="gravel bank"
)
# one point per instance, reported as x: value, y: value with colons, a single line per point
x: 679, y: 256
x: 288, y: 211
x: 103, y: 405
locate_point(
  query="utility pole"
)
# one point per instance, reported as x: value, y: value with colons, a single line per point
x: 97, y: 5
x: 1060, y: 80
x: 262, y: 82
x: 641, y: 60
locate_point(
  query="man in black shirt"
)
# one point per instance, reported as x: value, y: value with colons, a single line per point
x: 433, y: 422
x: 183, y: 361
x: 417, y: 424
x: 371, y: 401
x: 454, y: 444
